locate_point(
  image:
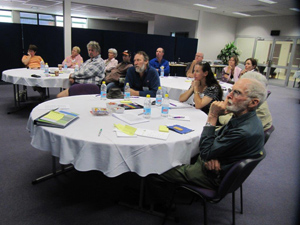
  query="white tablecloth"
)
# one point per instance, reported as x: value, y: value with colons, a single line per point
x: 175, y: 86
x: 296, y: 74
x: 80, y: 145
x: 22, y: 76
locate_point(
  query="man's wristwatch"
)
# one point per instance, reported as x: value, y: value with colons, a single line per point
x: 208, y: 124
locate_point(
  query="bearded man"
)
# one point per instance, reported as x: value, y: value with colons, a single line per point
x: 142, y: 78
x: 241, y: 138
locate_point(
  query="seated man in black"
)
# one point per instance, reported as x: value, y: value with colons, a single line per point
x: 143, y: 79
x: 241, y: 138
x: 114, y: 77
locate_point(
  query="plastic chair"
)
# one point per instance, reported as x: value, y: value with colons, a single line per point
x: 83, y: 89
x: 268, y: 133
x: 233, y: 180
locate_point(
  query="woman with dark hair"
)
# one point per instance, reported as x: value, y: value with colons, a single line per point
x: 250, y: 65
x: 231, y: 73
x: 205, y: 88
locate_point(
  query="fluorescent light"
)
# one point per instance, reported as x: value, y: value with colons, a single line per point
x: 242, y: 14
x: 268, y: 1
x: 205, y: 6
x: 295, y: 9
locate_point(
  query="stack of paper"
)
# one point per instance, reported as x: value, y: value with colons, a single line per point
x: 130, y: 118
x: 151, y: 133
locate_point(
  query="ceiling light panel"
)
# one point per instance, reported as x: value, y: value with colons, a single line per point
x: 268, y: 1
x: 205, y: 6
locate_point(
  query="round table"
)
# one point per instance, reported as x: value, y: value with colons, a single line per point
x: 175, y: 86
x: 80, y: 145
x: 22, y: 76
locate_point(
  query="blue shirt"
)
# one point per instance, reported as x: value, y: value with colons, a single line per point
x: 154, y: 63
x: 148, y: 84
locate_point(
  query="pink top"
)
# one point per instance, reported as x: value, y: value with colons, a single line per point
x: 236, y: 73
x: 72, y: 62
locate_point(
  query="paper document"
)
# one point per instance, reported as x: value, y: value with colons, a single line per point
x: 152, y: 134
x: 130, y: 118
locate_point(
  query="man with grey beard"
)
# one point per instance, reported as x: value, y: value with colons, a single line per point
x: 241, y: 138
x: 142, y: 78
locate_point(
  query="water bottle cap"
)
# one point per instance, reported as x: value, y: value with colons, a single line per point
x: 166, y: 96
x: 159, y: 87
x: 148, y: 96
x: 103, y: 82
x: 127, y: 83
x: 162, y: 67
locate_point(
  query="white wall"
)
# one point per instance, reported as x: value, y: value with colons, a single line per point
x: 261, y: 27
x: 163, y: 25
x: 117, y: 26
x: 214, y: 32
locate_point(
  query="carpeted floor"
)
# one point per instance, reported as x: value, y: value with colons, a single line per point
x: 271, y: 193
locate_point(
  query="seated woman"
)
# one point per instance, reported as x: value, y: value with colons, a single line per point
x: 231, y: 73
x: 205, y: 88
x: 111, y: 62
x: 74, y: 58
x: 250, y: 65
x: 31, y: 60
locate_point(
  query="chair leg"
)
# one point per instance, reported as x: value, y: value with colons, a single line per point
x: 233, y: 208
x: 241, y: 197
x: 204, y: 212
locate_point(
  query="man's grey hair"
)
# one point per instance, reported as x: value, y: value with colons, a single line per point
x: 256, y: 89
x: 94, y: 45
x: 257, y: 76
x: 114, y: 51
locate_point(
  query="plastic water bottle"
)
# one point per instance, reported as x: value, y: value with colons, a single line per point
x: 103, y: 91
x: 42, y: 67
x: 165, y: 106
x: 46, y: 68
x: 147, y: 107
x: 162, y: 71
x: 65, y: 67
x: 76, y: 69
x: 127, y: 92
x: 159, y: 97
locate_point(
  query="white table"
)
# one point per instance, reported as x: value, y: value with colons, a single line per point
x: 22, y: 76
x: 80, y: 145
x: 175, y: 86
x: 296, y: 75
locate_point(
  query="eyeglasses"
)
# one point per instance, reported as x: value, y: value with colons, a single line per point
x: 236, y: 93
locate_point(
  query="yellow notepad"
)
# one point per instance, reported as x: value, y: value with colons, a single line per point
x: 163, y: 128
x: 126, y: 129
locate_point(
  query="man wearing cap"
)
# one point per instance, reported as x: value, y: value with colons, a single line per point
x: 119, y: 72
x: 159, y: 61
x: 142, y: 78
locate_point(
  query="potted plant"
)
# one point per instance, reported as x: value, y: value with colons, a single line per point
x: 228, y: 51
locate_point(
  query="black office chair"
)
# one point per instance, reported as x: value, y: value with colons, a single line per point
x: 268, y: 133
x: 233, y: 180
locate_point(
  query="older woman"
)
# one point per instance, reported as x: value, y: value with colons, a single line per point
x: 111, y: 62
x: 205, y: 88
x: 74, y: 58
x: 31, y: 60
x: 231, y: 73
x: 250, y: 65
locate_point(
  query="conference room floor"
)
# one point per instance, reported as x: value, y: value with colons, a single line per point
x: 270, y: 193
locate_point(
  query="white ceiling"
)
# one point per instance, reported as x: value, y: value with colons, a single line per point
x: 224, y: 7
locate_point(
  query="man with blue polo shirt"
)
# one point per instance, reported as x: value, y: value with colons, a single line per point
x: 142, y: 78
x: 160, y: 61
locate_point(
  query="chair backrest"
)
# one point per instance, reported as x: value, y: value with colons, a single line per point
x: 237, y: 174
x: 84, y: 89
x: 268, y: 133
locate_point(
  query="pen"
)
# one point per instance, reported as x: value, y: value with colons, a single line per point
x: 100, y: 131
x: 140, y: 114
x: 173, y: 104
x: 177, y: 117
x: 134, y: 96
